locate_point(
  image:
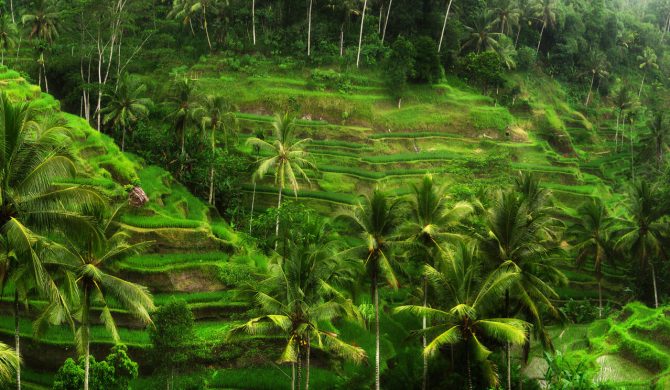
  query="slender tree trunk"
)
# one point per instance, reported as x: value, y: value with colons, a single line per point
x: 444, y: 27
x: 653, y: 280
x: 424, y: 382
x: 309, y: 29
x: 204, y: 16
x: 386, y: 21
x: 299, y: 368
x: 539, y: 42
x: 87, y: 366
x: 509, y: 366
x: 377, y: 353
x: 211, y: 185
x: 292, y: 376
x: 644, y: 76
x: 309, y: 347
x: 11, y: 9
x: 341, y: 39
x: 17, y: 337
x: 518, y: 33
x: 467, y: 362
x: 616, y: 134
x: 379, y: 22
x: 123, y: 139
x: 253, y: 199
x: 44, y: 72
x: 183, y: 139
x: 600, y: 297
x: 2, y: 62
x: 360, y: 42
x: 281, y: 188
x: 632, y: 157
x: 86, y: 334
x: 253, y: 20
x: 588, y: 97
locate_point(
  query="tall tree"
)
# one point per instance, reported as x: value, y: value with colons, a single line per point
x: 287, y: 159
x: 218, y: 116
x: 643, y: 232
x: 480, y: 35
x: 647, y: 62
x: 467, y: 302
x: 188, y: 10
x: 428, y: 228
x: 597, y: 67
x: 376, y: 218
x: 8, y: 35
x: 545, y: 11
x: 592, y: 239
x: 507, y: 13
x: 658, y: 139
x: 127, y: 105
x: 33, y: 155
x: 444, y: 26
x: 88, y: 263
x: 360, y: 35
x: 300, y: 293
x: 43, y: 26
x: 183, y: 108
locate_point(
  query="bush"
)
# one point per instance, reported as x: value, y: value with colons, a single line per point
x: 400, y: 66
x: 525, y: 58
x: 331, y: 80
x: 484, y: 69
x: 114, y: 373
x: 427, y: 68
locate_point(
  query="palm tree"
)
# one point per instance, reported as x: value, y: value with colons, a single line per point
x: 300, y: 293
x: 444, y: 26
x: 288, y: 158
x: 481, y: 35
x: 9, y: 363
x: 187, y: 10
x: 647, y: 61
x: 43, y: 26
x: 87, y: 263
x: 521, y: 232
x: 126, y: 107
x: 642, y: 234
x: 598, y: 68
x: 377, y: 219
x: 218, y: 115
x: 427, y: 228
x: 345, y: 8
x: 360, y: 35
x: 35, y: 155
x: 466, y: 302
x: 183, y: 108
x: 545, y: 11
x: 658, y: 137
x: 507, y: 13
x: 592, y: 239
x: 622, y: 102
x: 8, y: 34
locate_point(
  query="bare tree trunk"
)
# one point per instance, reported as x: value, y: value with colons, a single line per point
x: 292, y: 376
x: 539, y: 42
x: 644, y: 76
x: 299, y: 368
x: 253, y: 20
x: 653, y: 279
x: 632, y: 156
x: 360, y: 42
x: 386, y: 21
x: 467, y: 358
x: 211, y: 185
x: 377, y: 352
x: 87, y: 365
x: 600, y: 297
x: 518, y: 33
x: 253, y: 199
x: 509, y: 366
x: 309, y: 29
x: 17, y: 338
x: 278, y: 208
x: 204, y: 15
x: 444, y: 27
x: 424, y: 382
x: 341, y: 39
x: 123, y: 139
x: 44, y: 71
x: 11, y: 9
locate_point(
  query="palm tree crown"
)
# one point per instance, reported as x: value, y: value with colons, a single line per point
x: 126, y: 107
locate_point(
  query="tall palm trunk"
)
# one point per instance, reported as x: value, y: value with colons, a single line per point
x: 309, y: 29
x: 309, y: 347
x: 341, y: 39
x: 299, y: 368
x: 600, y: 297
x: 123, y: 138
x: 588, y: 97
x: 377, y: 354
x: 616, y: 134
x: 467, y: 362
x: 644, y: 76
x: 86, y: 335
x: 211, y: 185
x: 360, y: 38
x: 518, y: 33
x: 386, y: 21
x: 17, y: 337
x: 11, y: 9
x: 281, y: 189
x: 292, y: 376
x: 253, y: 199
x: 424, y: 382
x: 632, y: 157
x: 204, y: 16
x: 444, y: 26
x: 253, y: 20
x: 539, y: 42
x: 653, y: 280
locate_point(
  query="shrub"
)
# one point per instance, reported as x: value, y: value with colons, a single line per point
x: 427, y: 67
x: 114, y: 373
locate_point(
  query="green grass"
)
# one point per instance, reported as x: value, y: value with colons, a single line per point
x: 169, y: 260
x: 159, y: 222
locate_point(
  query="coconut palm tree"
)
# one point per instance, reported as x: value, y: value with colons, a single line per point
x: 642, y: 233
x: 301, y: 292
x: 507, y: 13
x: 622, y: 102
x: 126, y: 107
x: 43, y: 28
x: 35, y: 155
x: 287, y: 159
x: 9, y: 363
x: 597, y: 66
x: 545, y: 12
x: 647, y: 62
x: 467, y: 301
x: 591, y: 235
x: 8, y: 35
x: 427, y: 229
x: 88, y: 263
x: 218, y: 115
x: 658, y: 138
x: 377, y: 219
x: 188, y: 10
x: 183, y: 108
x: 345, y: 8
x: 481, y: 35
